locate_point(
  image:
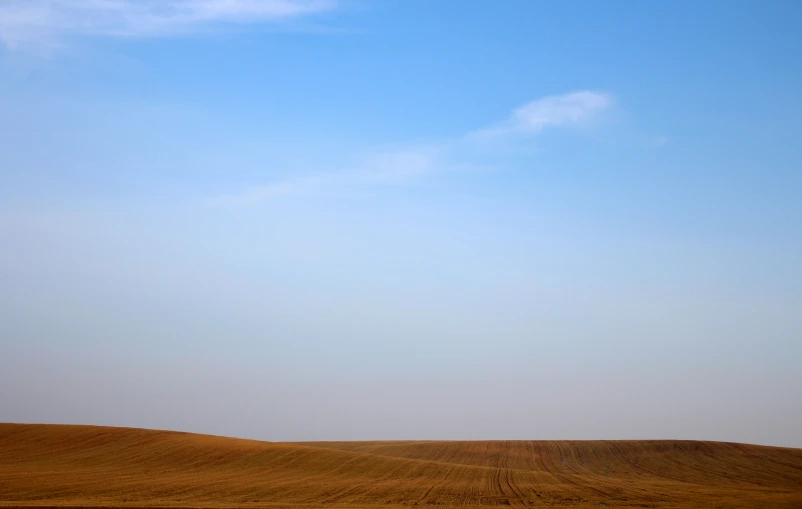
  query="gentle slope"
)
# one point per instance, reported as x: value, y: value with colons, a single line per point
x: 49, y: 465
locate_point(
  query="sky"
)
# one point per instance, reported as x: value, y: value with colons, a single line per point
x: 359, y: 219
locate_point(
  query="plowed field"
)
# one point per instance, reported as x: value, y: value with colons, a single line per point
x: 85, y: 466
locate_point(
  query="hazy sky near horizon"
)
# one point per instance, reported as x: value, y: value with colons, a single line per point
x: 357, y: 219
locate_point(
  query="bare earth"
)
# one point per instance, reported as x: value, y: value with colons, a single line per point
x: 85, y: 466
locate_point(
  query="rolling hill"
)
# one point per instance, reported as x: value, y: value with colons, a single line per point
x: 86, y: 466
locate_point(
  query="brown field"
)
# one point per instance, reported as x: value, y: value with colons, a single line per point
x: 85, y: 466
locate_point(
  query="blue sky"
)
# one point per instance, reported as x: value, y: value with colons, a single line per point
x: 308, y: 220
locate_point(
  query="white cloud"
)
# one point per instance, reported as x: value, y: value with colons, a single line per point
x: 47, y: 22
x: 565, y: 110
x: 374, y: 169
x: 401, y: 165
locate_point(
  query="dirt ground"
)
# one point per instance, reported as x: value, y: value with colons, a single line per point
x: 84, y: 466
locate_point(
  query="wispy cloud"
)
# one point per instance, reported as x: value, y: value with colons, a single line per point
x: 401, y: 165
x: 572, y: 109
x: 47, y: 22
x: 378, y: 168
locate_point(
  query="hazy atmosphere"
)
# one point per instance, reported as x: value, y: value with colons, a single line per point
x: 372, y: 220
